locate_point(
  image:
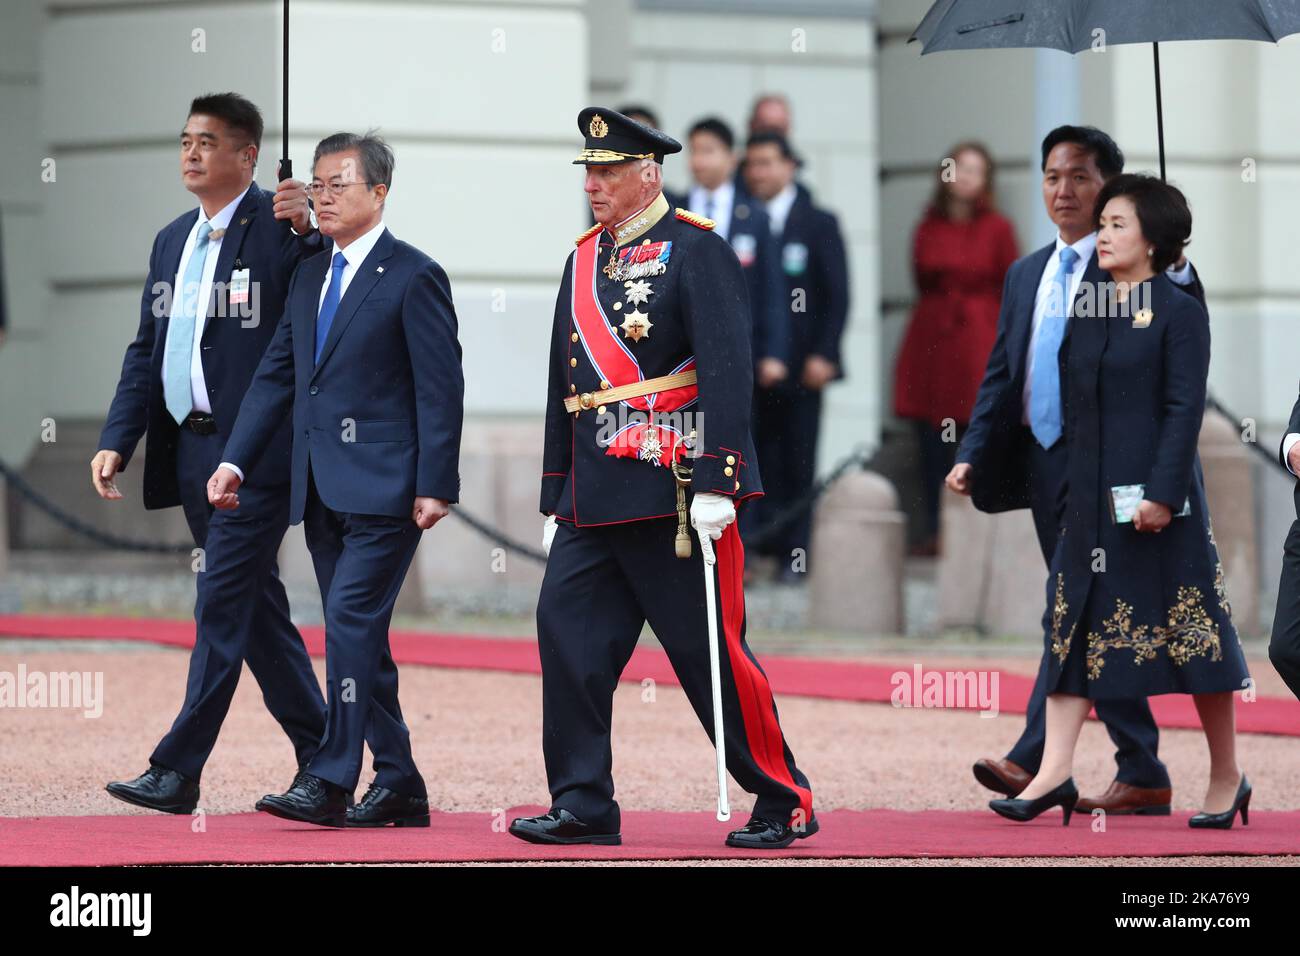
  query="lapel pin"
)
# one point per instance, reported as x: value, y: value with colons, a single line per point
x: 244, y: 221
x: 379, y: 269
x: 1142, y: 318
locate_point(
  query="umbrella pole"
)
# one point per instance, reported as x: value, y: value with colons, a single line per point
x: 1160, y: 108
x: 286, y: 164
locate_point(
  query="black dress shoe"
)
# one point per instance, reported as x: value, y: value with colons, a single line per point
x: 560, y: 826
x: 1064, y: 796
x: 158, y: 789
x: 302, y: 769
x: 309, y: 800
x: 763, y: 834
x: 381, y: 806
x: 1223, y: 821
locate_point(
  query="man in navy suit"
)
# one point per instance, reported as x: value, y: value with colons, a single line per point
x: 815, y: 297
x: 743, y: 223
x: 214, y: 295
x: 1284, y: 646
x: 367, y: 363
x: 1012, y: 455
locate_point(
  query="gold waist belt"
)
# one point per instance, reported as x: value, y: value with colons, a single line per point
x: 576, y: 403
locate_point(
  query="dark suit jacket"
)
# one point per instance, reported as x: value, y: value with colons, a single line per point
x: 378, y: 421
x: 996, y: 445
x: 234, y: 338
x: 1292, y: 426
x: 812, y: 257
x: 750, y: 236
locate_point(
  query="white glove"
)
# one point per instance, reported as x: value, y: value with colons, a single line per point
x: 548, y: 534
x: 710, y: 515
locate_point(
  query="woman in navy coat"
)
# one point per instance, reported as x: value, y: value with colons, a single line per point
x: 1136, y: 597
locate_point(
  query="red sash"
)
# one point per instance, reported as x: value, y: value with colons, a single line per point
x: 615, y: 363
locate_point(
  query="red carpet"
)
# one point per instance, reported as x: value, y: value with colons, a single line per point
x: 801, y: 677
x: 456, y: 837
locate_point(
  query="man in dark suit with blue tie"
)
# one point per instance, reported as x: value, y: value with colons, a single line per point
x: 367, y: 363
x: 1012, y: 455
x: 813, y: 266
x: 214, y: 295
x: 743, y: 223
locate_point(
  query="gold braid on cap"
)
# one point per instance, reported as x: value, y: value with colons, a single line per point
x: 609, y: 156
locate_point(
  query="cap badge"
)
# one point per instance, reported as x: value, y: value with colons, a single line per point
x: 598, y: 127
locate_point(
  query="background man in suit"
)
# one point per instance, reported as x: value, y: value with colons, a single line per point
x: 743, y: 223
x: 215, y: 292
x: 787, y: 415
x: 1012, y: 457
x: 367, y: 361
x: 1284, y: 648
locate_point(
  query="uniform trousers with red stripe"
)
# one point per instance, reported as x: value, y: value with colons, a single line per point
x: 602, y: 585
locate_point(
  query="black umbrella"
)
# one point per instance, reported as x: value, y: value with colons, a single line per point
x: 1069, y: 25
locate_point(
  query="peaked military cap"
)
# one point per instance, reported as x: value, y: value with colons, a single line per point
x: 612, y: 137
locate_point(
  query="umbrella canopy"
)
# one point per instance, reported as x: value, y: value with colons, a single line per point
x: 1068, y: 25
x: 1071, y: 26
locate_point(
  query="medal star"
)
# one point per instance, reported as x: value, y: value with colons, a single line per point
x: 638, y: 291
x: 650, y: 448
x: 637, y: 326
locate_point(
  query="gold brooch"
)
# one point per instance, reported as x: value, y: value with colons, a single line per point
x: 598, y: 127
x: 1142, y: 318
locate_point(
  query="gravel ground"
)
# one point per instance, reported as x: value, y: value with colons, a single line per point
x: 477, y: 739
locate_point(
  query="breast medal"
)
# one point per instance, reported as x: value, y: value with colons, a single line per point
x: 639, y: 262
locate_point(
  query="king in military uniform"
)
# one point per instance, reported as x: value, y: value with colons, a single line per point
x: 647, y: 421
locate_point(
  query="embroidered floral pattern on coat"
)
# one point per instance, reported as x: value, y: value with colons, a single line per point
x: 1061, y: 648
x: 1189, y: 633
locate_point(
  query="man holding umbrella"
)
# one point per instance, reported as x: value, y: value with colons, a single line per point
x: 648, y: 411
x: 1012, y: 455
x: 218, y: 276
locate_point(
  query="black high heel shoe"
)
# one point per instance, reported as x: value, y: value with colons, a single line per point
x: 1223, y: 821
x: 1065, y: 796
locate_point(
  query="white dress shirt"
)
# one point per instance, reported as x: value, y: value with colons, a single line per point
x: 778, y: 208
x: 1287, y: 444
x: 355, y: 254
x: 724, y: 199
x: 199, y: 387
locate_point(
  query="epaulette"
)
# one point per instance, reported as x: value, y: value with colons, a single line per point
x: 588, y: 234
x: 685, y: 215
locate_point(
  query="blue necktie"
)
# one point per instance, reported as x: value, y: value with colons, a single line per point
x: 1045, y: 381
x: 178, y: 393
x: 330, y: 305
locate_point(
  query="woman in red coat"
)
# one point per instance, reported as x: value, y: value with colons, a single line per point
x: 961, y: 252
